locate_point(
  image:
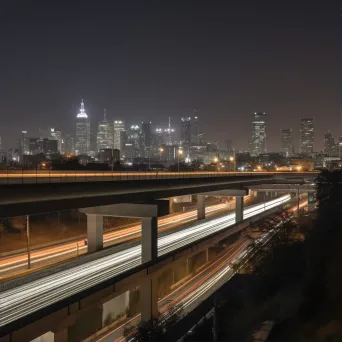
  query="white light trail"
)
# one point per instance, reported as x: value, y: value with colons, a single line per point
x: 28, y: 298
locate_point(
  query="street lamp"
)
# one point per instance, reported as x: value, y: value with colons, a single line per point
x: 161, y: 150
x: 215, y: 160
x: 180, y: 153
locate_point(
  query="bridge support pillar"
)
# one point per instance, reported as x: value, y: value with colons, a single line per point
x: 239, y: 209
x: 149, y: 299
x: 94, y: 232
x: 200, y: 207
x: 61, y: 335
x: 149, y: 239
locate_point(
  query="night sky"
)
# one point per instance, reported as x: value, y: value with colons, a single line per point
x: 147, y: 60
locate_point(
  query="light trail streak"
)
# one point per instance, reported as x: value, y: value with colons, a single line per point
x: 11, y: 263
x: 28, y: 298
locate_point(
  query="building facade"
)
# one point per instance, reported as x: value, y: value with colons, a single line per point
x: 286, y: 142
x: 259, y: 135
x: 102, y: 137
x: 118, y: 127
x: 307, y: 136
x: 82, y: 141
x: 186, y: 134
x: 24, y: 143
x: 56, y: 134
x: 331, y: 148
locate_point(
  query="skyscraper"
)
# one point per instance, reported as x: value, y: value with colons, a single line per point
x: 82, y: 143
x: 56, y: 134
x: 258, y: 138
x: 134, y: 140
x: 330, y: 146
x: 118, y: 127
x: 146, y: 134
x: 69, y: 144
x: 194, y: 130
x: 286, y: 142
x: 24, y: 143
x: 306, y: 135
x: 102, y: 138
x: 186, y: 131
x: 169, y: 134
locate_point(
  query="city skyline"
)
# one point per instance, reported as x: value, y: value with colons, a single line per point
x: 179, y: 135
x: 135, y: 62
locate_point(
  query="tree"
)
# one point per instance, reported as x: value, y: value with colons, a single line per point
x: 156, y: 328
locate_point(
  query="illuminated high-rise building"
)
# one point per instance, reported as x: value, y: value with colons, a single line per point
x: 134, y: 142
x: 169, y: 134
x: 330, y: 146
x: 69, y: 144
x: 103, y: 138
x: 186, y: 135
x: 195, y: 133
x: 82, y: 141
x: 258, y: 138
x: 24, y: 143
x: 286, y: 142
x: 56, y: 134
x: 307, y: 136
x: 118, y: 127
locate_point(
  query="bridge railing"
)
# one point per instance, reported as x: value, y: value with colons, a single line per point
x: 54, y: 176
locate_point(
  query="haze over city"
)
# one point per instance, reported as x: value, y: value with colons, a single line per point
x: 148, y: 61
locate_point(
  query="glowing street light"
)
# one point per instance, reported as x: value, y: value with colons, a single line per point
x: 231, y: 159
x: 299, y: 167
x: 161, y: 150
x: 180, y: 153
x: 215, y: 160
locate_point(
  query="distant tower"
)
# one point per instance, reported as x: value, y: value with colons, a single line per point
x: 194, y: 129
x: 82, y: 141
x: 169, y: 134
x: 330, y: 146
x: 307, y: 136
x: 56, y: 134
x: 186, y: 131
x: 119, y: 126
x: 258, y: 138
x: 103, y: 137
x: 286, y: 142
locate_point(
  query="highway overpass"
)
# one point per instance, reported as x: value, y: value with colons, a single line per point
x: 68, y: 176
x: 53, y: 195
x: 21, y: 297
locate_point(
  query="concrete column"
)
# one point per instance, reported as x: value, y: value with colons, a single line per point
x: 94, y: 232
x: 200, y: 207
x: 149, y: 299
x: 171, y: 205
x: 61, y: 335
x: 239, y: 209
x: 149, y: 239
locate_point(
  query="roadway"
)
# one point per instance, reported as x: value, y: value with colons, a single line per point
x: 200, y: 286
x: 53, y: 176
x: 35, y: 295
x: 52, y: 254
x: 182, y: 294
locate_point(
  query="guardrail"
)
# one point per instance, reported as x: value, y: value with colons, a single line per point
x: 41, y: 176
